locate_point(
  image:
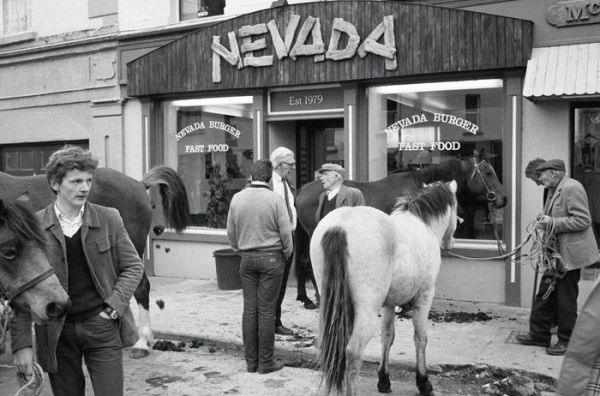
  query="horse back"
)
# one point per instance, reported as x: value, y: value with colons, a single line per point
x: 370, y: 248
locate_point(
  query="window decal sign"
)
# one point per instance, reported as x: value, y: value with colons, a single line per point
x: 433, y: 117
x: 200, y: 126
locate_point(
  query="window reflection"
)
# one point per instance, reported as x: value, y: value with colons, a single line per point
x: 422, y: 124
x: 210, y: 143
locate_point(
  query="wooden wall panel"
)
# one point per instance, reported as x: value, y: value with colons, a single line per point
x: 428, y: 40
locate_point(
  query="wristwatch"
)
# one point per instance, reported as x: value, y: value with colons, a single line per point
x: 114, y: 315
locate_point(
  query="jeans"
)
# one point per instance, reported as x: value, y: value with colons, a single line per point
x: 96, y: 340
x: 560, y: 308
x: 261, y: 276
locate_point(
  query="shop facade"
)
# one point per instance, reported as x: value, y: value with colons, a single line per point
x: 409, y: 86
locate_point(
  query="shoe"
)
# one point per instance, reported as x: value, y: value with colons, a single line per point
x: 276, y: 366
x: 527, y: 339
x: 282, y: 330
x: 557, y: 349
x: 308, y: 304
x: 252, y: 369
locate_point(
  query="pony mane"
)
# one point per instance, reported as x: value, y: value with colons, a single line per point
x: 427, y: 204
x: 21, y: 222
x: 445, y: 171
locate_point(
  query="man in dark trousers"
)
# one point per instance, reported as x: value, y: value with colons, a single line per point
x: 284, y: 164
x: 98, y: 266
x: 566, y: 212
x: 258, y: 227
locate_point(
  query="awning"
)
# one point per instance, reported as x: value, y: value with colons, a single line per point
x: 566, y: 70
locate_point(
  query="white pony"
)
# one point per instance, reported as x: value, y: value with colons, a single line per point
x: 367, y: 261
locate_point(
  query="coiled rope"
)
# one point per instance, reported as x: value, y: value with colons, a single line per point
x: 543, y: 254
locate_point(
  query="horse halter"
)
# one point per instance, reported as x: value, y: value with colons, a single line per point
x: 6, y: 295
x: 490, y: 195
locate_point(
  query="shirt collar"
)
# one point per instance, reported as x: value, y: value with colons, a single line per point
x: 63, y: 218
x: 334, y: 192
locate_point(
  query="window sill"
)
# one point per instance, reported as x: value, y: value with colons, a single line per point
x: 475, y: 249
x: 195, y: 234
x: 17, y: 38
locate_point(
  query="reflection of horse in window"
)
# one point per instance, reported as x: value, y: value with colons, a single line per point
x: 129, y: 197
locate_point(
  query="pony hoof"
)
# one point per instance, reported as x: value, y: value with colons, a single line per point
x: 385, y: 388
x: 137, y: 353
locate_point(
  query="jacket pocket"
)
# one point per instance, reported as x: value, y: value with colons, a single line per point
x: 103, y: 245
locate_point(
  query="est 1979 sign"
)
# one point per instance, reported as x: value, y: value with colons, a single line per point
x: 306, y: 100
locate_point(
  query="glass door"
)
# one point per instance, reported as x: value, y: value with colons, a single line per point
x: 318, y: 142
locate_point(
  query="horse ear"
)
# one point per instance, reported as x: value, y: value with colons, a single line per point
x: 453, y: 186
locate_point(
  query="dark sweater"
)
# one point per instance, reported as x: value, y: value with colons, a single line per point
x: 328, y: 206
x: 85, y: 301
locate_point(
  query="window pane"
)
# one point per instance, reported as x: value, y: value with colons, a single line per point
x: 26, y: 160
x: 15, y: 17
x: 413, y: 126
x: 587, y: 158
x: 192, y: 9
x: 210, y: 145
x: 11, y: 161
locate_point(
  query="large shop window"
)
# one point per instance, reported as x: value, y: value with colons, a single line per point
x: 412, y: 126
x: 209, y: 141
x: 586, y: 145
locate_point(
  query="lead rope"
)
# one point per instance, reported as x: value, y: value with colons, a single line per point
x: 33, y: 386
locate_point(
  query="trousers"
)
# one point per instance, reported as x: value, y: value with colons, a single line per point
x: 98, y: 342
x: 261, y: 277
x: 560, y: 308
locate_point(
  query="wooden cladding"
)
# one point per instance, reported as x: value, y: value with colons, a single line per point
x: 426, y: 39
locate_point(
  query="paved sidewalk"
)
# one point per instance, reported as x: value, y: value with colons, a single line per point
x: 198, y: 309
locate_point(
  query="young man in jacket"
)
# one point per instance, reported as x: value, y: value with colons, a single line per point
x: 98, y: 266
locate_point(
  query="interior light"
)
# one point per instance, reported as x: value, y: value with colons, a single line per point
x: 213, y: 101
x: 440, y: 86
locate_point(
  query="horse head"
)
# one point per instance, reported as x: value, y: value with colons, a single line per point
x: 483, y: 182
x: 27, y: 281
x: 448, y: 238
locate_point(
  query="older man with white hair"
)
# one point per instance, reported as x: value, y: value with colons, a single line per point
x: 284, y: 163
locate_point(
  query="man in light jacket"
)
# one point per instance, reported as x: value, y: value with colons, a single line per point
x: 566, y: 211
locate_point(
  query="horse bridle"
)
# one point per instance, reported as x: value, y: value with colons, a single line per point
x: 6, y: 295
x: 490, y: 195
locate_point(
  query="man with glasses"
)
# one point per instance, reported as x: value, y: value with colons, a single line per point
x: 284, y: 164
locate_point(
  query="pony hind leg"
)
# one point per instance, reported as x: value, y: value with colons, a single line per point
x: 388, y: 333
x: 420, y: 324
x: 363, y: 329
x: 142, y: 296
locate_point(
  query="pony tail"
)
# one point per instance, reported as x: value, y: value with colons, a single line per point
x: 337, y: 311
x: 173, y: 195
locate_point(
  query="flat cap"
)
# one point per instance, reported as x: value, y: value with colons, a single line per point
x: 555, y: 164
x: 332, y: 167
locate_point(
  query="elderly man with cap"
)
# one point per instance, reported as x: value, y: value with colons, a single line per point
x: 336, y: 194
x: 566, y: 212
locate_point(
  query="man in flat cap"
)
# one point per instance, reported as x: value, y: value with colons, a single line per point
x: 566, y: 212
x: 336, y: 194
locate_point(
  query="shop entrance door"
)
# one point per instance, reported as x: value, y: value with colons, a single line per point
x: 318, y: 142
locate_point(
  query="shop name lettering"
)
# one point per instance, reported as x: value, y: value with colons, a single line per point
x: 574, y: 12
x: 201, y: 148
x: 310, y: 31
x: 437, y: 117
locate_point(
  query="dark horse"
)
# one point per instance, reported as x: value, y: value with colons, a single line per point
x: 130, y: 198
x: 27, y: 281
x: 477, y: 184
